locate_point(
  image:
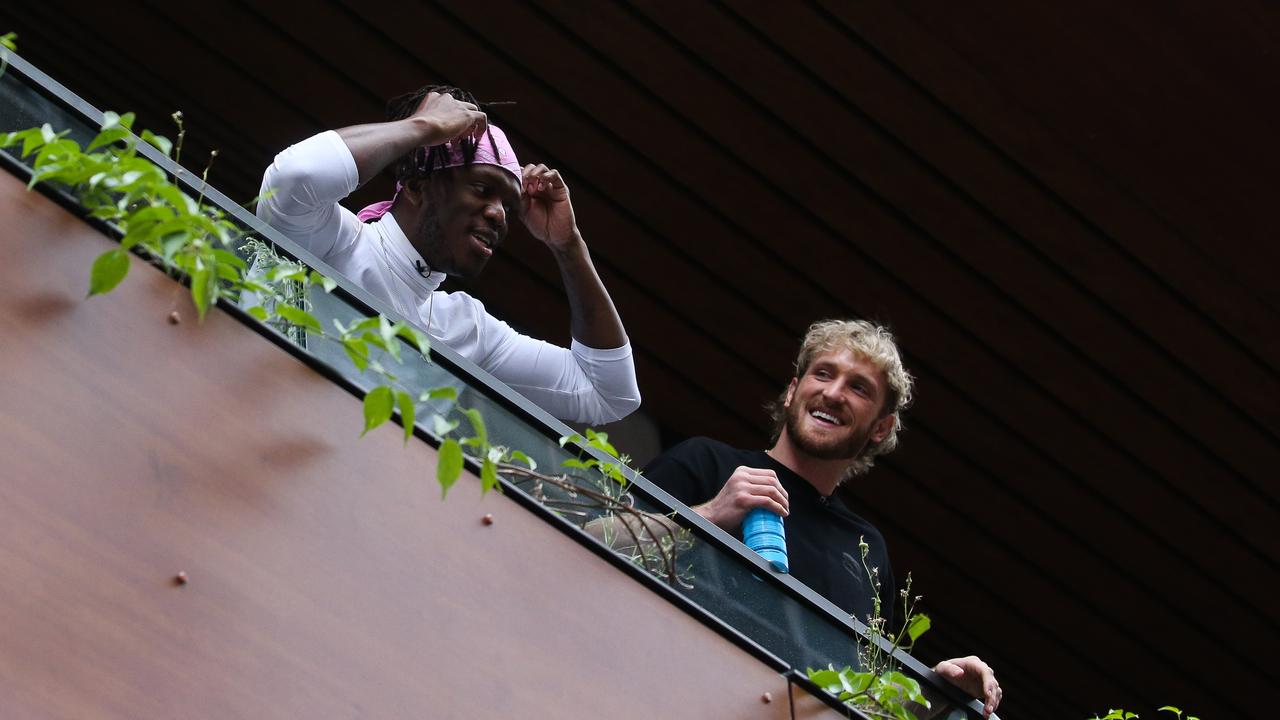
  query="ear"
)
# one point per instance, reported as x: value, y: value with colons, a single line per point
x: 882, y: 427
x: 413, y: 192
x: 791, y: 392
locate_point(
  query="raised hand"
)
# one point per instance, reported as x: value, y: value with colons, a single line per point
x: 546, y: 209
x: 449, y: 118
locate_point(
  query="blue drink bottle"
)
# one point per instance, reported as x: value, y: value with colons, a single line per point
x: 762, y: 531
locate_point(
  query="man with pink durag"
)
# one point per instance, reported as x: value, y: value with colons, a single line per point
x: 458, y: 187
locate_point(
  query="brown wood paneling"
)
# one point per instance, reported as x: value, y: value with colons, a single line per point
x: 326, y: 576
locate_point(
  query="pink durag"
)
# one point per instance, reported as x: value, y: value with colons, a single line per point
x: 505, y: 159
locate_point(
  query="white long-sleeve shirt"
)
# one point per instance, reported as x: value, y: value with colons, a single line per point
x: 581, y: 383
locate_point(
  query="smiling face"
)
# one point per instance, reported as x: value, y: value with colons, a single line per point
x: 462, y: 215
x: 834, y: 409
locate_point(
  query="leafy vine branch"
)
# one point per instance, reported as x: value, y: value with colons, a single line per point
x: 651, y: 540
x: 879, y: 688
x: 191, y: 239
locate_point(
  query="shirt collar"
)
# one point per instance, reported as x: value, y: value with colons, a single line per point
x: 403, y: 260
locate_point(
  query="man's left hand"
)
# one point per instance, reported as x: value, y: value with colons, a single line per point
x: 974, y: 677
x: 547, y: 211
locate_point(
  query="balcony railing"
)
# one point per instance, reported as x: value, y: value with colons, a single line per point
x: 733, y: 591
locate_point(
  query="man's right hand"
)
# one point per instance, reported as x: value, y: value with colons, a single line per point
x: 746, y: 489
x: 446, y: 118
x: 438, y: 119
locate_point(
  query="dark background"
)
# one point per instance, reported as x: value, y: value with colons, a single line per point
x: 1065, y: 210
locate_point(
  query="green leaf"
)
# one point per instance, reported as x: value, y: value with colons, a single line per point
x: 488, y: 476
x: 600, y: 441
x: 388, y: 333
x: 517, y: 456
x: 1170, y: 708
x: 368, y: 324
x: 386, y: 329
x: 415, y: 337
x: 227, y: 273
x: 574, y: 438
x: 477, y: 424
x: 444, y: 392
x: 325, y: 282
x: 910, y: 685
x: 10, y: 138
x: 613, y: 472
x: 61, y: 151
x: 449, y: 466
x: 918, y: 626
x: 106, y: 137
x: 108, y: 270
x: 287, y: 271
x: 34, y: 138
x: 577, y: 464
x: 857, y: 682
x: 124, y: 181
x: 179, y: 201
x: 824, y: 677
x: 204, y: 287
x: 441, y: 426
x: 375, y: 340
x: 257, y: 312
x: 404, y: 402
x: 161, y: 143
x: 229, y: 258
x: 172, y: 243
x: 7, y: 41
x: 112, y: 120
x: 298, y: 317
x: 358, y: 351
x: 145, y: 224
x: 377, y: 408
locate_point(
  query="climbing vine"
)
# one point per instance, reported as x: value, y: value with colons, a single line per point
x: 879, y: 687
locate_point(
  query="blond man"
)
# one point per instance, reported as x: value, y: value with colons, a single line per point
x: 840, y: 411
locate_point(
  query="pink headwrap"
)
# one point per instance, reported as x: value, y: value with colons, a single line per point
x: 505, y: 159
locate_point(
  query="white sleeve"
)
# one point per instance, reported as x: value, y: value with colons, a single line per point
x: 304, y: 184
x: 581, y: 384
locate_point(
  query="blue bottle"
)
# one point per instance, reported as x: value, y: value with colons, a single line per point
x: 762, y: 531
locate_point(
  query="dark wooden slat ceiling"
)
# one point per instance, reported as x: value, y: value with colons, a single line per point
x: 1063, y: 210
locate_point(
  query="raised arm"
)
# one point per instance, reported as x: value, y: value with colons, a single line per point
x: 548, y: 214
x: 438, y: 119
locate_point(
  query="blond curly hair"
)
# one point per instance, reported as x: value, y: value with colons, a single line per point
x: 866, y: 340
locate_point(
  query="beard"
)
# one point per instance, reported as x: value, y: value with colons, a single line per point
x: 430, y: 242
x: 838, y: 447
